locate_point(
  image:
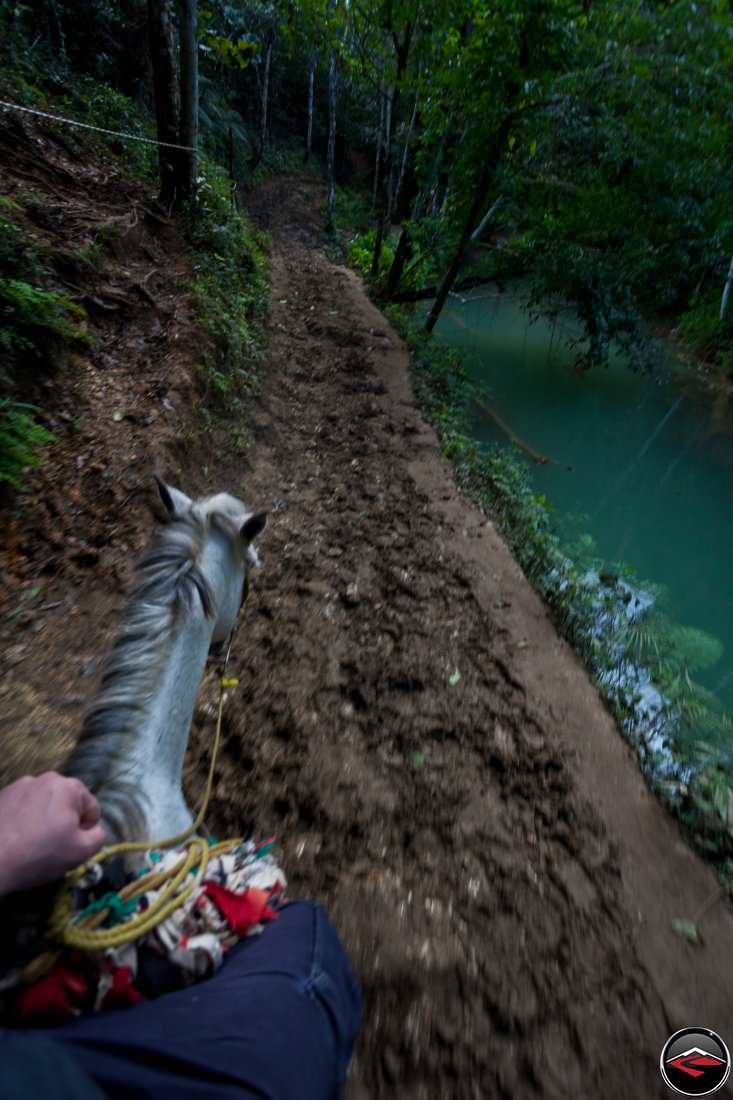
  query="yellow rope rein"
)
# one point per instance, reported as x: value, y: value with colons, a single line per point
x: 85, y: 934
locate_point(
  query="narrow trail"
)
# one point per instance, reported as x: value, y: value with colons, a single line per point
x: 486, y: 846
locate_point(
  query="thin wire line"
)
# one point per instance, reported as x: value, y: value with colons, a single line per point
x: 98, y: 129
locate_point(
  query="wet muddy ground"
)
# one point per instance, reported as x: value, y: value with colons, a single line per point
x: 437, y: 767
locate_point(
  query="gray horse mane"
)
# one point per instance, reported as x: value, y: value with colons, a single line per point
x: 170, y: 579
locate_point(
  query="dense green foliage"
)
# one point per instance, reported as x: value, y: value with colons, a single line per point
x: 39, y: 324
x: 594, y: 132
x: 36, y: 325
x: 32, y: 323
x: 231, y: 288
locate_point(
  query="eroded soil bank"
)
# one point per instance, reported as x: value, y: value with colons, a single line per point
x: 486, y: 846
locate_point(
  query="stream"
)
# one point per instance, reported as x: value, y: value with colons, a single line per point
x: 642, y: 463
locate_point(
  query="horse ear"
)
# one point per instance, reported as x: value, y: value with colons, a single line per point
x: 253, y: 526
x: 174, y: 501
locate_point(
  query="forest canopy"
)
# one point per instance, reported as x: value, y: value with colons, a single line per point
x: 578, y: 146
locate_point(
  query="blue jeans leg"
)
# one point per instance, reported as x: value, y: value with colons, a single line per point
x: 32, y: 1068
x: 277, y: 1022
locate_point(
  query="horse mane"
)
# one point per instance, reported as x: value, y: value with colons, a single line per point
x: 169, y: 580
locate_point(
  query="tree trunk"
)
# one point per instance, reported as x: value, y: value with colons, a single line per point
x: 265, y: 92
x: 478, y: 201
x: 401, y: 256
x: 309, y: 132
x: 405, y: 155
x: 165, y: 90
x: 726, y: 292
x: 420, y: 203
x: 402, y: 52
x: 487, y: 218
x: 59, y: 28
x: 384, y: 204
x: 188, y: 34
x: 331, y: 158
x: 380, y: 146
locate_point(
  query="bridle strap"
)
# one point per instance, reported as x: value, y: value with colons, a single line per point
x: 245, y: 594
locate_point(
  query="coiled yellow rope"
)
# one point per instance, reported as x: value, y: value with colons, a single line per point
x: 83, y: 933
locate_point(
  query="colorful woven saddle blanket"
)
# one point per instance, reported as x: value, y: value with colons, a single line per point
x: 235, y: 897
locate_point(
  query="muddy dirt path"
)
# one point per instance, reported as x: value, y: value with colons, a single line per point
x: 485, y: 844
x: 501, y: 877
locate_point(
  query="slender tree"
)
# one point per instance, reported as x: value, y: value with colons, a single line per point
x: 165, y: 90
x: 331, y: 148
x: 479, y: 201
x: 338, y: 25
x: 309, y: 125
x: 399, y: 22
x: 269, y: 37
x: 176, y: 117
x: 187, y: 29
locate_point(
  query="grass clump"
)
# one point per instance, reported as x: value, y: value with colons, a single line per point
x: 353, y: 209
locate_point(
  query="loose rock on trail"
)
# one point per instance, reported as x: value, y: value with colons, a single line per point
x: 437, y: 767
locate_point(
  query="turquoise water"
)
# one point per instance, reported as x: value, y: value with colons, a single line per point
x: 646, y: 463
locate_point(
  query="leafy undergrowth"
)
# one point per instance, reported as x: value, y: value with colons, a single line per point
x: 36, y: 325
x: 88, y: 101
x: 706, y: 336
x: 41, y: 328
x: 643, y: 662
x: 232, y: 302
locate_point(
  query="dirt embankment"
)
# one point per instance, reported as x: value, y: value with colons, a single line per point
x: 439, y: 770
x: 69, y: 546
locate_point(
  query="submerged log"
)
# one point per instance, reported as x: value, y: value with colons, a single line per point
x: 534, y: 455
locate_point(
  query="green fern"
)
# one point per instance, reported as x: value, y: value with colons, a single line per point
x: 667, y: 648
x: 702, y: 722
x: 711, y: 798
x: 20, y: 435
x: 33, y: 324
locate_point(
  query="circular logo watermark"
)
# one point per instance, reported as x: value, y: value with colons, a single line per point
x: 695, y: 1061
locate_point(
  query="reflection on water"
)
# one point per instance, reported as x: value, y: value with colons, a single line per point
x: 646, y: 462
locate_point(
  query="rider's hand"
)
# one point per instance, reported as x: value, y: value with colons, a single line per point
x: 48, y: 825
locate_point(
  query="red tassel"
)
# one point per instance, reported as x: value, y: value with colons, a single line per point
x: 122, y: 992
x: 241, y: 911
x: 52, y: 999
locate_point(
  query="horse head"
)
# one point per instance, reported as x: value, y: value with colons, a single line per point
x: 226, y: 519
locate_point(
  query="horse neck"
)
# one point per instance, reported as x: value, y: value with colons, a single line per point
x: 131, y: 750
x: 157, y: 752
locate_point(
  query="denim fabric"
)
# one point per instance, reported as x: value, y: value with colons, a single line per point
x: 277, y: 1022
x: 32, y: 1067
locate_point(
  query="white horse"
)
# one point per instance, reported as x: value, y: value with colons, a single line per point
x: 190, y: 587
